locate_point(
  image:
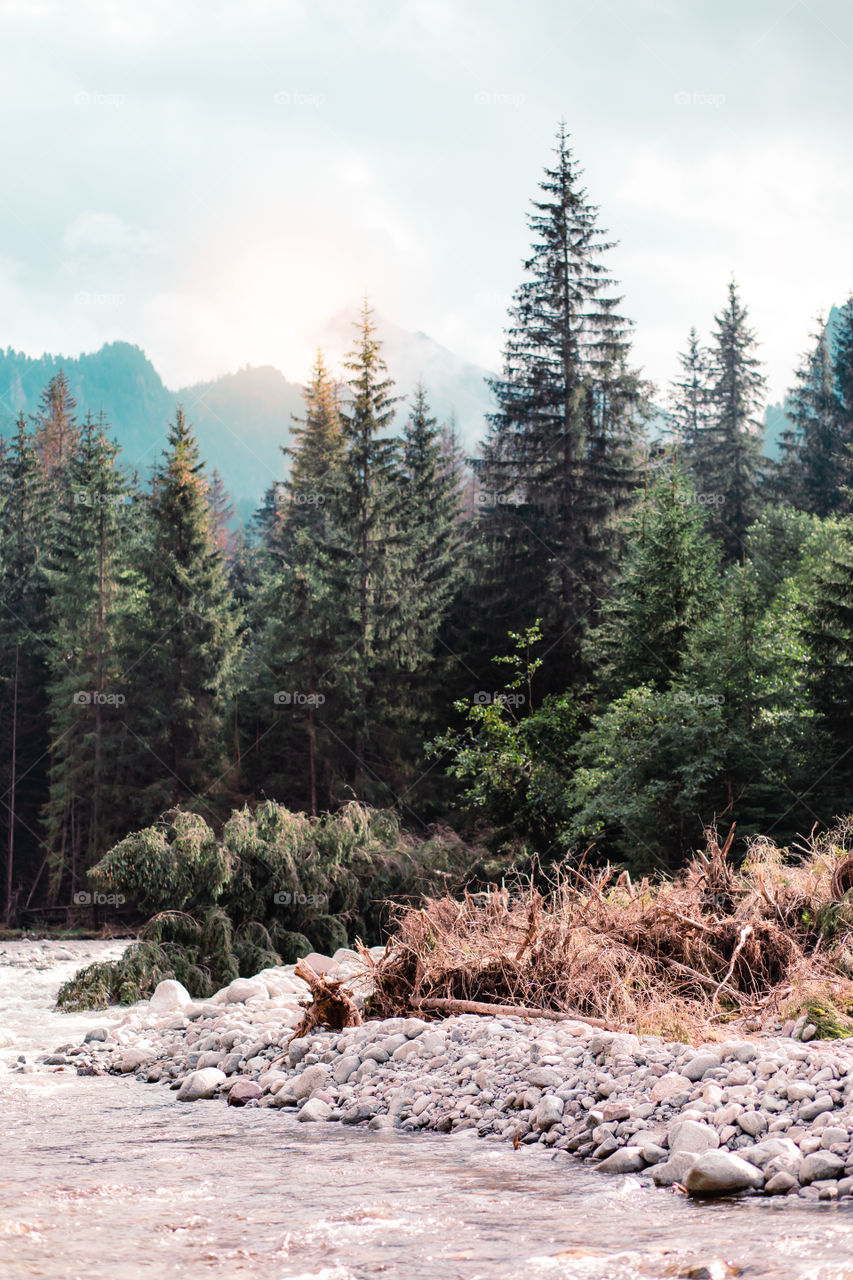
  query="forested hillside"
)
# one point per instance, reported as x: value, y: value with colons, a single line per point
x: 580, y: 640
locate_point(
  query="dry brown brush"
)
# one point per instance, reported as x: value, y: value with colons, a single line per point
x: 715, y: 945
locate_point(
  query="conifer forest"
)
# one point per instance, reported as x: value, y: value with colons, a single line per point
x: 619, y: 621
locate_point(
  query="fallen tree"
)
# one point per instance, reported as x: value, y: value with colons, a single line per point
x: 716, y: 944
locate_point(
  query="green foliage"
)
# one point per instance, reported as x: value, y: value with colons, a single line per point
x: 276, y: 886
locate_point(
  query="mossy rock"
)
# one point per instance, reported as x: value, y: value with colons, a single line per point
x: 829, y: 1022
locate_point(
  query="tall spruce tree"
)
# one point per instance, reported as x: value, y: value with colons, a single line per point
x: 25, y: 504
x: 816, y: 464
x: 560, y: 454
x: 689, y: 399
x: 187, y: 637
x: 56, y: 429
x: 726, y: 460
x: 364, y: 514
x: 90, y: 588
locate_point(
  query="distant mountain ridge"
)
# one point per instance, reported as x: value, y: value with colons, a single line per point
x: 242, y: 419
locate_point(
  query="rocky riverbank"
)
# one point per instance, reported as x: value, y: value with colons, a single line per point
x: 770, y: 1115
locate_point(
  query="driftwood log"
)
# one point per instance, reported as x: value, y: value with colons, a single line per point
x: 452, y: 1007
x: 330, y: 1005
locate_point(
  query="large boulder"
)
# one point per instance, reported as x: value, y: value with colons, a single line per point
x: 243, y: 989
x: 721, y: 1173
x: 201, y: 1084
x: 313, y: 1078
x: 170, y: 996
x: 819, y: 1166
x: 692, y: 1137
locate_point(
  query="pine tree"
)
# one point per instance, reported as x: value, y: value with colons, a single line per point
x: 90, y: 585
x: 560, y: 454
x: 56, y: 429
x: 24, y: 521
x: 828, y: 632
x: 689, y: 399
x: 187, y: 638
x: 816, y: 464
x: 666, y: 585
x: 364, y: 511
x: 222, y: 511
x: 317, y: 452
x: 430, y: 503
x: 727, y: 458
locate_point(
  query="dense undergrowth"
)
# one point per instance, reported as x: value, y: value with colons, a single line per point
x: 275, y: 886
x: 684, y: 957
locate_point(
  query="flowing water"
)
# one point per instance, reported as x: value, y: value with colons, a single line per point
x: 107, y: 1177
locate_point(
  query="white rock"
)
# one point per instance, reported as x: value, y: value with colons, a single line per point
x: 312, y: 1078
x: 169, y: 997
x: 771, y: 1149
x: 627, y: 1160
x: 692, y: 1137
x: 201, y: 1084
x: 721, y: 1173
x: 243, y: 989
x: 668, y: 1086
x: 820, y: 1165
x: 314, y: 1109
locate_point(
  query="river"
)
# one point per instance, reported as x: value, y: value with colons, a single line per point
x: 107, y: 1177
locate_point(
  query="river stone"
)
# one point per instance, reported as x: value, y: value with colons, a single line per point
x: 314, y: 1109
x: 297, y: 1050
x: 96, y: 1034
x: 201, y: 1084
x: 819, y: 1166
x: 311, y: 1080
x: 548, y: 1113
x: 669, y: 1086
x: 243, y: 1091
x: 169, y: 996
x: 675, y: 1169
x: 799, y: 1090
x: 692, y: 1137
x: 832, y: 1135
x: 345, y: 1067
x: 212, y: 1058
x: 771, y: 1149
x: 780, y: 1184
x: 627, y: 1160
x: 243, y: 989
x: 752, y: 1123
x: 720, y: 1173
x: 318, y: 962
x: 133, y: 1059
x: 544, y: 1077
x: 702, y: 1063
x: 811, y: 1110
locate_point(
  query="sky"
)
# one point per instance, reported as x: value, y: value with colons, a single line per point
x: 216, y: 181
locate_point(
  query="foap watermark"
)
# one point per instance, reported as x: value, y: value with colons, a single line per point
x: 95, y: 98
x: 483, y: 698
x: 699, y: 699
x: 489, y: 498
x: 95, y: 298
x: 702, y: 499
x: 286, y: 899
x: 82, y: 898
x: 297, y: 98
x: 286, y: 698
x: 693, y: 98
x: 494, y: 98
x: 97, y: 698
x: 308, y: 499
x: 92, y: 498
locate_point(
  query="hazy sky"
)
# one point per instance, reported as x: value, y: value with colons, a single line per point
x: 215, y: 181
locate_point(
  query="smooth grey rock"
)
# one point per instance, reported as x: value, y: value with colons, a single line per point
x: 345, y: 1067
x: 311, y: 1080
x: 721, y: 1173
x: 133, y: 1059
x: 752, y: 1123
x: 96, y: 1034
x: 243, y: 1091
x: 544, y: 1077
x: 315, y: 1109
x: 243, y: 989
x: 627, y: 1160
x: 811, y: 1110
x: 548, y: 1112
x: 675, y: 1169
x: 698, y: 1066
x: 692, y: 1137
x: 780, y: 1184
x: 819, y: 1166
x: 201, y: 1084
x: 771, y: 1149
x: 297, y: 1051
